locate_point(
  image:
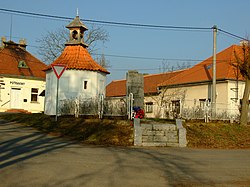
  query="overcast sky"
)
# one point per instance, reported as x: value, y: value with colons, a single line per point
x: 152, y: 44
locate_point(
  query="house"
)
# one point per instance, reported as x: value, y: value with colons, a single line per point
x: 188, y: 93
x: 116, y: 90
x: 83, y: 79
x: 22, y: 79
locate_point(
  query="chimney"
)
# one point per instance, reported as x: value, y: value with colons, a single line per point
x: 22, y: 44
x: 244, y: 42
x: 3, y: 39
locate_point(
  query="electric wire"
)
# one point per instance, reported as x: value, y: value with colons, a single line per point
x: 123, y: 24
x: 231, y: 34
x: 107, y: 22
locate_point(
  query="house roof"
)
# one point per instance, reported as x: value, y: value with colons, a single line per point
x: 118, y: 87
x: 77, y: 57
x: 202, y: 72
x: 16, y: 61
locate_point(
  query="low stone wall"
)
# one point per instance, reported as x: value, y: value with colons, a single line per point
x: 171, y: 135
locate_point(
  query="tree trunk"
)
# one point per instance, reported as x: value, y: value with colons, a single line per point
x: 245, y: 104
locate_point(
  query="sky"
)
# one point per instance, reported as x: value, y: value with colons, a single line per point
x: 149, y: 50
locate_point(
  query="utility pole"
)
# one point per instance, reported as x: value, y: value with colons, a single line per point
x: 213, y: 101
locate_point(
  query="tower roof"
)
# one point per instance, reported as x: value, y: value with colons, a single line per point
x: 76, y: 23
x: 77, y: 57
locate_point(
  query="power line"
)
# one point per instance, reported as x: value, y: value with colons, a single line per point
x: 123, y: 24
x: 145, y: 58
x: 152, y: 26
x: 231, y: 34
x: 154, y: 58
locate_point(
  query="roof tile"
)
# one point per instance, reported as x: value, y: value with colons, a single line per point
x: 118, y: 87
x: 203, y: 71
x: 77, y: 57
x: 11, y: 55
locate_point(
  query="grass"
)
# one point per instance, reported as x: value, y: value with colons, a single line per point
x: 120, y: 132
x: 91, y: 131
x: 218, y: 135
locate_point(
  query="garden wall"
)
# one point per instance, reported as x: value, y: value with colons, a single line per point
x: 171, y: 135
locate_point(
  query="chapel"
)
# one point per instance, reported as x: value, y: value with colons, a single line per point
x: 83, y: 78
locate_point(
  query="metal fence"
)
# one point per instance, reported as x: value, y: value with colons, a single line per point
x: 92, y: 106
x: 110, y: 107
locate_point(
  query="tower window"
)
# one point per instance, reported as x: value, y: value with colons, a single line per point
x: 74, y: 34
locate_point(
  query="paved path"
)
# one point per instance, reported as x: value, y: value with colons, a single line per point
x: 30, y: 158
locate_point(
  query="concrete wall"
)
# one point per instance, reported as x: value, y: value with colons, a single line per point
x: 171, y: 135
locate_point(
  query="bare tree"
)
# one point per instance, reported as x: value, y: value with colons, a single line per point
x: 166, y: 97
x: 243, y: 63
x: 102, y: 61
x: 166, y: 66
x: 52, y: 43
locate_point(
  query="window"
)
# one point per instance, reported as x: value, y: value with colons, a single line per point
x: 34, y: 94
x: 204, y: 102
x: 176, y: 106
x: 149, y: 107
x: 74, y: 35
x: 22, y: 64
x: 85, y: 85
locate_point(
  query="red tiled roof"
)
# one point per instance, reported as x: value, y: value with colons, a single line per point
x: 12, y: 54
x: 77, y: 57
x: 151, y: 81
x: 203, y: 71
x: 118, y: 87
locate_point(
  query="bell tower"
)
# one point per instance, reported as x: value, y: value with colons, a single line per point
x: 76, y: 32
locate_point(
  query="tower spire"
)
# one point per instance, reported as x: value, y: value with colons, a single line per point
x: 77, y: 12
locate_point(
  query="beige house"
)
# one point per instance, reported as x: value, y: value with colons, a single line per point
x: 187, y: 94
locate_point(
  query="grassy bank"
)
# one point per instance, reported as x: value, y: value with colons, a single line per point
x: 91, y: 131
x: 218, y: 135
x: 120, y: 132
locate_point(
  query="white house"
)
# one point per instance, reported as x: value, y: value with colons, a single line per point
x: 83, y: 78
x: 22, y: 79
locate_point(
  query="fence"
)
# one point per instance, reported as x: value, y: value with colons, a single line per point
x: 110, y: 107
x: 223, y: 112
x: 93, y: 106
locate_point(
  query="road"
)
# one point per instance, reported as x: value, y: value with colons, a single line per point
x: 31, y: 158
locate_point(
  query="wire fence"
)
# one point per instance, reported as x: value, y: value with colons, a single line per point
x: 110, y: 107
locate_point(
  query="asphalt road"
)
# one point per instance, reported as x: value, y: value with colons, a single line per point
x: 31, y: 158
